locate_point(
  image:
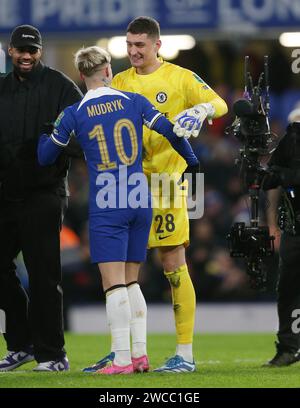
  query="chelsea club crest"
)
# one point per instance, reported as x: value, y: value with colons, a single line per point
x: 161, y: 97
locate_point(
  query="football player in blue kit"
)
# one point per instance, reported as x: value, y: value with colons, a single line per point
x: 108, y: 124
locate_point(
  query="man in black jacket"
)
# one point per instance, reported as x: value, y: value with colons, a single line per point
x: 285, y: 172
x: 32, y: 204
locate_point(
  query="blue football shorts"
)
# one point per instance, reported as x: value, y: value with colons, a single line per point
x: 120, y: 235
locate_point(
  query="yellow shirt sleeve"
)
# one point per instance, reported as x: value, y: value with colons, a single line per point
x: 117, y: 82
x: 197, y: 91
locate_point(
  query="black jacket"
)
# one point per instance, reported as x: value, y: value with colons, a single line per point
x: 27, y: 109
x: 285, y: 161
x: 285, y: 172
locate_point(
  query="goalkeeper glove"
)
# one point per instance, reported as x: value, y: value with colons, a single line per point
x: 189, y: 122
x: 193, y: 170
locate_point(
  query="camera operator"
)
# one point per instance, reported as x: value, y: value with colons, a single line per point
x: 285, y: 173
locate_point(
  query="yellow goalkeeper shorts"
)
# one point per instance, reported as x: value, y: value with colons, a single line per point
x: 170, y: 226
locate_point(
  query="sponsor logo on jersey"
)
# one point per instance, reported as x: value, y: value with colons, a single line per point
x: 199, y: 79
x: 167, y: 236
x: 161, y: 97
x: 58, y: 120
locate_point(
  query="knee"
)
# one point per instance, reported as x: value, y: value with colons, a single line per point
x: 170, y: 265
x: 172, y: 258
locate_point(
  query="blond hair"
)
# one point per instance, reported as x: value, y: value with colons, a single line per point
x: 90, y: 60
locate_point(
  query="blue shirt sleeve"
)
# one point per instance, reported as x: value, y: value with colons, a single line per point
x: 149, y: 112
x: 180, y: 144
x: 50, y: 147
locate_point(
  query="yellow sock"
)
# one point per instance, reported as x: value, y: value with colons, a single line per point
x: 184, y: 303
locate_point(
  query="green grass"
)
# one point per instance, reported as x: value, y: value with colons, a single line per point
x: 223, y: 360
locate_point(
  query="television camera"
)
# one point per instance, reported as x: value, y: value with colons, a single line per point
x: 251, y: 127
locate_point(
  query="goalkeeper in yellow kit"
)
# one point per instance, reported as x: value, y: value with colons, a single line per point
x: 181, y: 94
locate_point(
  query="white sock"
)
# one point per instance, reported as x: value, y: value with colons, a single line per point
x: 118, y: 317
x: 138, y: 323
x: 185, y: 351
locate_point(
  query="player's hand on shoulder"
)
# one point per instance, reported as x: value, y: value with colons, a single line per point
x: 47, y: 128
x: 189, y: 122
x: 190, y: 173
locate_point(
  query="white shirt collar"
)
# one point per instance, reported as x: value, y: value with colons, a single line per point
x: 99, y: 92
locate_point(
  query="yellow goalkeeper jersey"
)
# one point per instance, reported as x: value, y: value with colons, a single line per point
x: 171, y: 89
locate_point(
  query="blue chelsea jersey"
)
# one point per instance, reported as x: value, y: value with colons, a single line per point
x: 108, y: 124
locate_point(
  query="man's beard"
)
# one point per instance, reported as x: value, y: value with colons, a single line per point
x: 25, y: 75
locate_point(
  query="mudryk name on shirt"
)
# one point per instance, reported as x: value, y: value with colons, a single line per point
x: 104, y: 108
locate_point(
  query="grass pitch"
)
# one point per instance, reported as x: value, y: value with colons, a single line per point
x: 223, y: 360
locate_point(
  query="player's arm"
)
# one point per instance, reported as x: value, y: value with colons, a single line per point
x: 71, y: 94
x: 50, y: 147
x: 155, y: 120
x: 205, y: 104
x: 181, y: 145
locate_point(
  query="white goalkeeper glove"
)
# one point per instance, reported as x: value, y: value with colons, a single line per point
x: 189, y: 122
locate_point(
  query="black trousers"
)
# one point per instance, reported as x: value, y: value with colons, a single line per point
x: 289, y: 292
x: 33, y: 227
